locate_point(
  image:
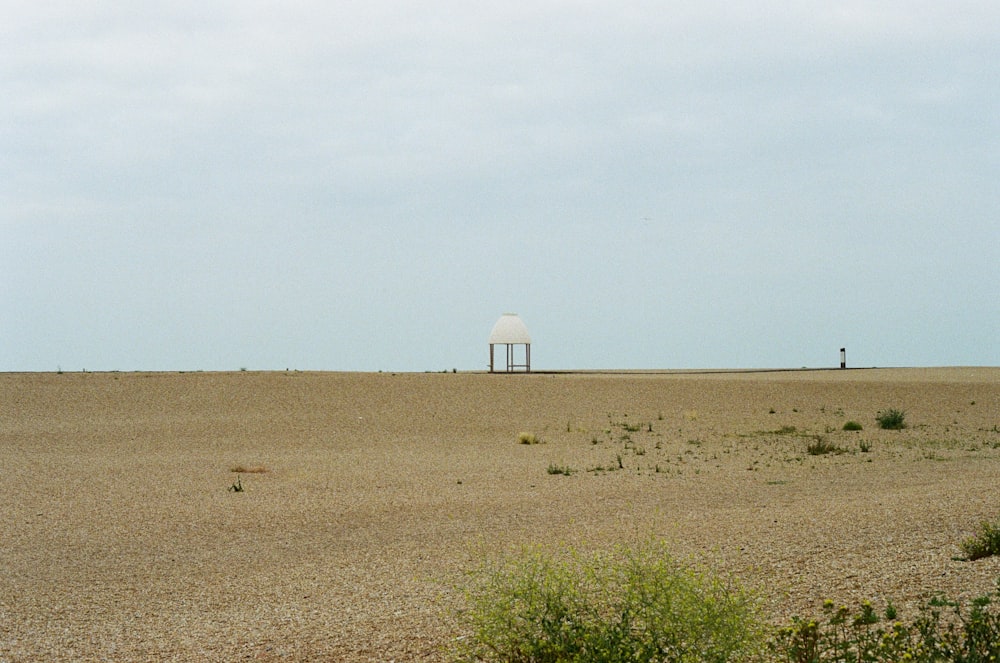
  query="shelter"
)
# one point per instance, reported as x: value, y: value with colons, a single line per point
x: 511, y: 332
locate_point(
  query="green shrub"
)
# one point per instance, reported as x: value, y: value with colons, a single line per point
x: 627, y: 604
x: 984, y: 544
x: 559, y: 469
x: 890, y: 419
x: 853, y: 425
x: 820, y: 446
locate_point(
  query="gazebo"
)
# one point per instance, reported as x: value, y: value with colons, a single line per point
x: 510, y: 331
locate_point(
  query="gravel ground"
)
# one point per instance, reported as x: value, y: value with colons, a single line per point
x: 120, y: 539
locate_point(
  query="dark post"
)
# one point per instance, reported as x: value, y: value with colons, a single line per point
x: 843, y: 357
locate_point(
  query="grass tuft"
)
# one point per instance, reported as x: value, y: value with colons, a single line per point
x: 891, y: 419
x: 821, y: 446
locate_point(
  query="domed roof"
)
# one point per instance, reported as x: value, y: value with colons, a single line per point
x: 510, y: 329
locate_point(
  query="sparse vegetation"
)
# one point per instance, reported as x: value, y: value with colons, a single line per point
x: 865, y: 446
x: 565, y: 470
x: 638, y: 604
x: 985, y: 543
x: 967, y: 636
x: 237, y: 486
x: 891, y: 419
x: 853, y: 425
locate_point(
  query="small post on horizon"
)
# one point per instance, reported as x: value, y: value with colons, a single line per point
x: 843, y: 357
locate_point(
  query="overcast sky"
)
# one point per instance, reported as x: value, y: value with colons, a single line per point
x: 370, y: 185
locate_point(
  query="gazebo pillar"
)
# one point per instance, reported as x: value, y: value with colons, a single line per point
x: 511, y: 356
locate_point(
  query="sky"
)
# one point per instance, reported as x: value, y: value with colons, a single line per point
x: 366, y: 186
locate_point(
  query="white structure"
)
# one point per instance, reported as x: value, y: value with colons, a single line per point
x: 511, y: 332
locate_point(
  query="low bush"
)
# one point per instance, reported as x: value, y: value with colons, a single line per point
x: 891, y: 419
x: 627, y: 604
x: 984, y: 544
x: 852, y: 425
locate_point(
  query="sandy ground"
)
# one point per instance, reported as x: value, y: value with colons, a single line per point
x: 119, y: 538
